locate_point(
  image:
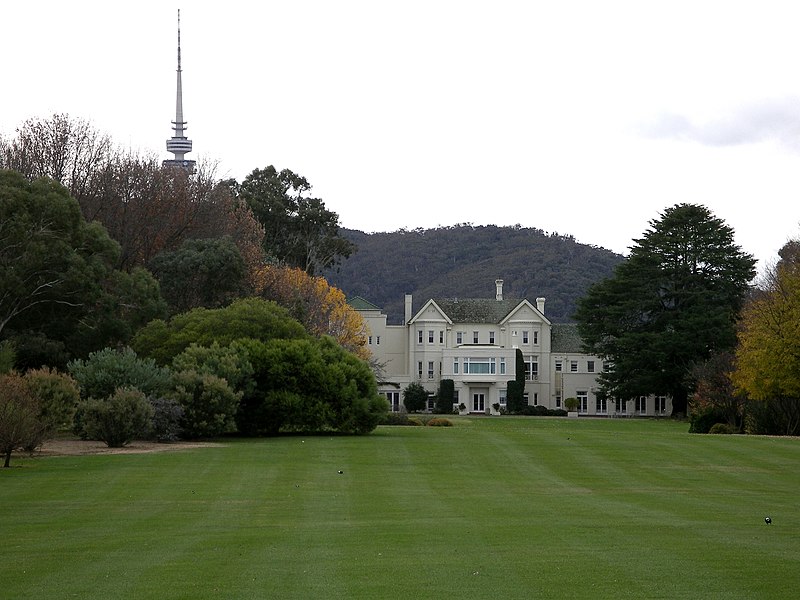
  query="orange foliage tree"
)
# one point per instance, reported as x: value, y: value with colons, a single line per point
x: 319, y: 306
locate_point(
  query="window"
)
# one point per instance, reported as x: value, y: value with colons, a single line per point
x: 535, y: 337
x: 474, y: 337
x: 370, y: 340
x: 601, y: 407
x: 558, y: 399
x: 419, y: 369
x: 491, y: 337
x: 661, y: 405
x: 430, y: 336
x: 430, y: 369
x: 559, y: 367
x: 590, y: 366
x: 431, y: 402
x: 621, y: 406
x: 536, y: 398
x: 459, y: 337
x: 441, y: 337
x: 502, y: 366
x: 501, y: 397
x: 641, y: 405
x: 419, y: 336
x: 394, y: 401
x: 531, y: 369
x: 479, y: 366
x: 583, y: 401
x: 378, y: 340
x: 573, y: 366
x: 525, y: 337
x: 455, y: 366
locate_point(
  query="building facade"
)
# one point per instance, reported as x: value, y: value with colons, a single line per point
x: 473, y: 342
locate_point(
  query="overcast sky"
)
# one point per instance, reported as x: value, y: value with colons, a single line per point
x: 582, y: 118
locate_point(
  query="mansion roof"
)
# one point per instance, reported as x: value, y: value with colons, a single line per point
x: 476, y: 310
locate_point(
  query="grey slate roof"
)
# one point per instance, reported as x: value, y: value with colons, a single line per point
x: 564, y: 337
x: 476, y: 310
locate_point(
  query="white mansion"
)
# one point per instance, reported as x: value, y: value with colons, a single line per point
x: 474, y: 343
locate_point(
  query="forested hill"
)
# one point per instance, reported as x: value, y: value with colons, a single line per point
x: 463, y: 261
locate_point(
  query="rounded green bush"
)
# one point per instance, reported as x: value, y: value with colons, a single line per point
x: 721, y: 428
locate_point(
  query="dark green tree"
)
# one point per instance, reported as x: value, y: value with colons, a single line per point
x: 515, y: 396
x: 299, y: 230
x: 415, y: 397
x: 61, y: 295
x: 671, y: 304
x: 308, y: 385
x: 444, y: 396
x: 205, y: 273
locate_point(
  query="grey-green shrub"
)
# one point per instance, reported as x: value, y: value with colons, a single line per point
x: 108, y: 369
x: 117, y: 420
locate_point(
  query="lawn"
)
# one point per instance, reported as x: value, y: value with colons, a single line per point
x: 490, y: 508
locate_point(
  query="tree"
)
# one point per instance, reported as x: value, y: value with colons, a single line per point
x: 515, y: 395
x: 714, y: 399
x: 672, y: 303
x: 415, y: 397
x: 320, y: 307
x: 201, y: 273
x: 444, y: 396
x: 768, y: 355
x: 248, y: 318
x: 308, y: 385
x: 19, y: 415
x: 68, y: 150
x: 146, y: 208
x: 57, y: 275
x: 298, y: 230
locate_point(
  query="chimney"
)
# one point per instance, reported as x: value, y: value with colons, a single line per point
x: 408, y: 308
x: 540, y: 305
x: 499, y: 284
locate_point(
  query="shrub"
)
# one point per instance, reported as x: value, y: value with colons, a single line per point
x: 571, y: 404
x: 7, y: 356
x: 721, y: 428
x: 701, y: 421
x: 106, y: 370
x: 58, y: 397
x: 19, y: 415
x: 209, y: 404
x: 118, y: 420
x: 439, y: 422
x: 415, y: 397
x: 165, y: 425
x: 393, y: 418
x: 228, y: 362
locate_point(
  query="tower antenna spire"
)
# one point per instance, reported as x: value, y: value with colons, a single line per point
x: 179, y: 144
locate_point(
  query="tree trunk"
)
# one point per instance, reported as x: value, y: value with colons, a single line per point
x: 7, y: 462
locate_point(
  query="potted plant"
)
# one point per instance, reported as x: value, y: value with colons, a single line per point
x: 572, y: 407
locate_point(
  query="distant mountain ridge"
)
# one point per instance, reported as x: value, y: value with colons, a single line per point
x: 463, y: 261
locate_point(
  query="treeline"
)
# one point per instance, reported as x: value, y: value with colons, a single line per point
x: 100, y: 246
x: 463, y: 261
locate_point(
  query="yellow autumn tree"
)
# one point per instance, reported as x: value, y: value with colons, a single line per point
x: 768, y: 355
x: 319, y: 306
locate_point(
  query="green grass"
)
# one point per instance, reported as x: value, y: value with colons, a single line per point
x: 490, y: 508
